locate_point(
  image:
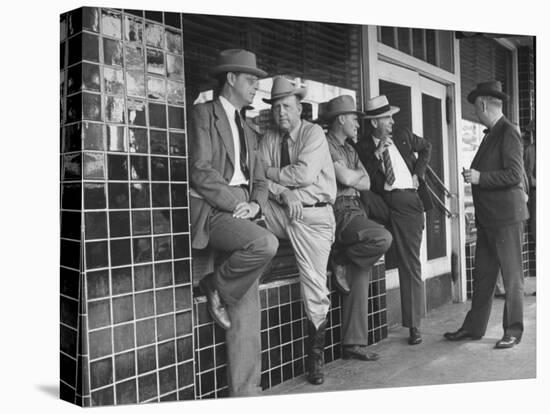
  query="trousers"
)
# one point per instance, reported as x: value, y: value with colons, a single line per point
x: 311, y: 238
x: 406, y: 225
x: 497, y: 248
x: 250, y: 248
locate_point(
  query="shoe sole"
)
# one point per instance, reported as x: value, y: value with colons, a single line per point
x: 351, y: 356
x: 204, y: 289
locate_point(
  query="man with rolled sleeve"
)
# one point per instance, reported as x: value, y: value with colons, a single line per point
x: 397, y: 174
x: 360, y: 242
x: 302, y: 189
x: 499, y: 194
x: 228, y: 190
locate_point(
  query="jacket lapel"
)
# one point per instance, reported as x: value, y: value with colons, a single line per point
x: 224, y: 130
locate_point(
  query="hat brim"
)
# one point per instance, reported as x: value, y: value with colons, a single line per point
x: 392, y: 110
x: 329, y: 116
x: 301, y: 92
x: 478, y: 92
x: 238, y: 68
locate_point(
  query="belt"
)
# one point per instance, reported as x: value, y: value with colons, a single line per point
x: 323, y: 204
x: 409, y: 190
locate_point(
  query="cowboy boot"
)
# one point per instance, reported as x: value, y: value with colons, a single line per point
x: 316, y: 348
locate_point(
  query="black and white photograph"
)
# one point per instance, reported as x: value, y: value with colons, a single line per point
x: 301, y: 208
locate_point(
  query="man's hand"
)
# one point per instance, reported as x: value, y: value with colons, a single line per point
x: 382, y: 146
x: 471, y: 176
x: 246, y: 210
x: 293, y: 204
x: 416, y: 183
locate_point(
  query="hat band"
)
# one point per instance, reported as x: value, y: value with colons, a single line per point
x: 378, y: 111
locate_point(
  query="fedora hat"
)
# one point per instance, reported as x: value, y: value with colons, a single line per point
x: 237, y: 60
x: 490, y: 88
x: 343, y: 104
x: 379, y: 107
x: 282, y: 87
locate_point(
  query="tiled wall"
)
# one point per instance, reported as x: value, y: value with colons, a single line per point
x: 528, y: 260
x: 283, y: 334
x: 526, y: 79
x: 126, y: 296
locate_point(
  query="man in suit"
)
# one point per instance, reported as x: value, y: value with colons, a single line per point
x: 302, y: 189
x: 397, y: 174
x: 496, y: 175
x: 228, y: 190
x: 360, y: 242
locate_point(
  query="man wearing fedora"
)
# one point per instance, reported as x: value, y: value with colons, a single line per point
x: 496, y: 176
x: 302, y: 189
x: 228, y: 190
x: 360, y: 242
x: 397, y: 174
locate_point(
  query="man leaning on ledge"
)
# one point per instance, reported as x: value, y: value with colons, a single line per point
x: 229, y: 190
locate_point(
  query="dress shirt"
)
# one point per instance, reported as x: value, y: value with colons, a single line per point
x: 310, y: 175
x: 238, y: 176
x: 347, y: 154
x: 403, y: 177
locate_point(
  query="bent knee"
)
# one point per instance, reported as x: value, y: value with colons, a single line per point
x: 266, y: 246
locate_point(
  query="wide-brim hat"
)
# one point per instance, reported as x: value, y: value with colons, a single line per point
x: 283, y: 87
x: 237, y: 60
x: 341, y: 105
x: 379, y: 107
x: 490, y: 88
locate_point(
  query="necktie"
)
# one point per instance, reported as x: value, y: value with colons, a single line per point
x: 285, y: 156
x: 390, y: 176
x: 243, y: 157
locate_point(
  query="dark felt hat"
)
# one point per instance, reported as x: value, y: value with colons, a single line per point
x: 343, y: 104
x: 491, y: 88
x: 283, y: 87
x: 237, y: 60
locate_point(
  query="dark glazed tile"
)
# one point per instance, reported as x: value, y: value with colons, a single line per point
x: 144, y: 305
x: 178, y: 169
x: 90, y: 47
x: 68, y: 312
x: 141, y: 222
x: 185, y: 348
x: 70, y: 225
x: 133, y: 29
x: 118, y: 195
x: 181, y: 220
x: 101, y: 373
x: 68, y: 282
x: 164, y: 301
x: 112, y: 52
x: 176, y: 117
x: 116, y: 135
x: 93, y: 136
x: 125, y: 365
x: 147, y: 387
x: 163, y: 275
x: 72, y: 167
x: 111, y: 24
x: 96, y: 225
x: 67, y: 369
x: 103, y: 397
x: 99, y: 314
x: 90, y: 78
x: 119, y: 223
x: 114, y: 110
x: 182, y: 272
x: 160, y: 195
x: 153, y: 15
x: 157, y: 115
x: 162, y: 248
x: 140, y: 195
x: 91, y: 106
x: 73, y: 137
x: 126, y: 392
x: 124, y: 337
x: 158, y: 142
x: 179, y: 195
x: 74, y: 108
x: 147, y: 359
x: 139, y: 167
x: 94, y: 166
x: 138, y: 140
x: 166, y: 353
x: 94, y: 196
x: 161, y: 221
x: 96, y: 255
x: 90, y: 19
x: 100, y: 343
x: 123, y: 309
x: 172, y: 19
x: 143, y: 277
x: 145, y: 332
x: 97, y: 284
x: 67, y: 340
x: 155, y: 61
x: 185, y: 374
x: 121, y: 280
x: 167, y: 380
x: 184, y: 323
x: 183, y: 298
x: 165, y: 327
x: 177, y: 143
x: 174, y: 41
x: 136, y: 109
x: 159, y: 168
x: 181, y: 246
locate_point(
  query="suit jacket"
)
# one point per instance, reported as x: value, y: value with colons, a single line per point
x: 499, y: 198
x: 407, y: 144
x: 211, y: 166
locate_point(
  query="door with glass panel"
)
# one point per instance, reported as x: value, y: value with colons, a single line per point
x: 423, y: 110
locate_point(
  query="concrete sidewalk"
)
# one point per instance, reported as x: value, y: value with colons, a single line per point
x: 436, y: 360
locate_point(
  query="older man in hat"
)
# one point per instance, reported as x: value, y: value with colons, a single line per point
x: 228, y: 190
x: 302, y: 190
x: 496, y: 176
x: 360, y: 242
x: 397, y: 174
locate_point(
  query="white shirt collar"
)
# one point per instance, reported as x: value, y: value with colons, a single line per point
x: 228, y: 107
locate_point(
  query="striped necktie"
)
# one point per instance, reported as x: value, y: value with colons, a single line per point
x: 390, y: 175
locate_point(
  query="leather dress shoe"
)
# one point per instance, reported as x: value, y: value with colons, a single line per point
x: 340, y: 279
x: 460, y: 335
x: 414, y: 336
x: 359, y: 352
x: 215, y: 304
x: 507, y: 341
